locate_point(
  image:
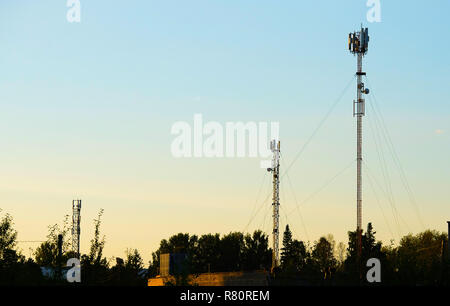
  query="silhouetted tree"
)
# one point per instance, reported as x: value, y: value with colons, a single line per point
x: 8, y: 235
x: 207, y: 253
x: 131, y: 271
x: 419, y: 258
x: 256, y: 253
x: 293, y: 254
x: 231, y: 252
x: 15, y: 269
x: 46, y: 254
x: 94, y: 267
x: 286, y: 249
x: 370, y: 248
x: 323, y: 257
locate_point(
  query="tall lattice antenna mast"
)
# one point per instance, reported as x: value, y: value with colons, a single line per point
x: 275, y: 148
x: 358, y: 43
x: 76, y: 229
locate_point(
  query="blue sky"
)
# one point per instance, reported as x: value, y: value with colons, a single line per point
x: 87, y: 109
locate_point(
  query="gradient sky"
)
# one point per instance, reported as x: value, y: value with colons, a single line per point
x: 87, y: 108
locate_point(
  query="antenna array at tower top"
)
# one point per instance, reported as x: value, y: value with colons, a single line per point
x: 358, y: 42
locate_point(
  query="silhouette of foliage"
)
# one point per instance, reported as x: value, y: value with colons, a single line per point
x: 420, y: 259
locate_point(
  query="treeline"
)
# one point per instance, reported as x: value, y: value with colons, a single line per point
x: 47, y: 267
x: 420, y: 259
x: 232, y: 252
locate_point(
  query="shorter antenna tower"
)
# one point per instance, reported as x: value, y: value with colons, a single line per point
x: 275, y: 148
x: 76, y: 229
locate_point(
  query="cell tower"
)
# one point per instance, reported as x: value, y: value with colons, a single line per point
x: 275, y: 148
x: 76, y: 229
x: 358, y: 43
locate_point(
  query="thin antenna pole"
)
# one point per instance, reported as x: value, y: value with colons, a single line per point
x: 359, y: 115
x: 275, y: 147
x: 76, y: 228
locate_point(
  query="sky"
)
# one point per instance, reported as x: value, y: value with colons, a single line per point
x: 87, y: 110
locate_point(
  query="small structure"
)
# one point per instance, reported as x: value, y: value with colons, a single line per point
x: 240, y: 278
x: 174, y: 265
